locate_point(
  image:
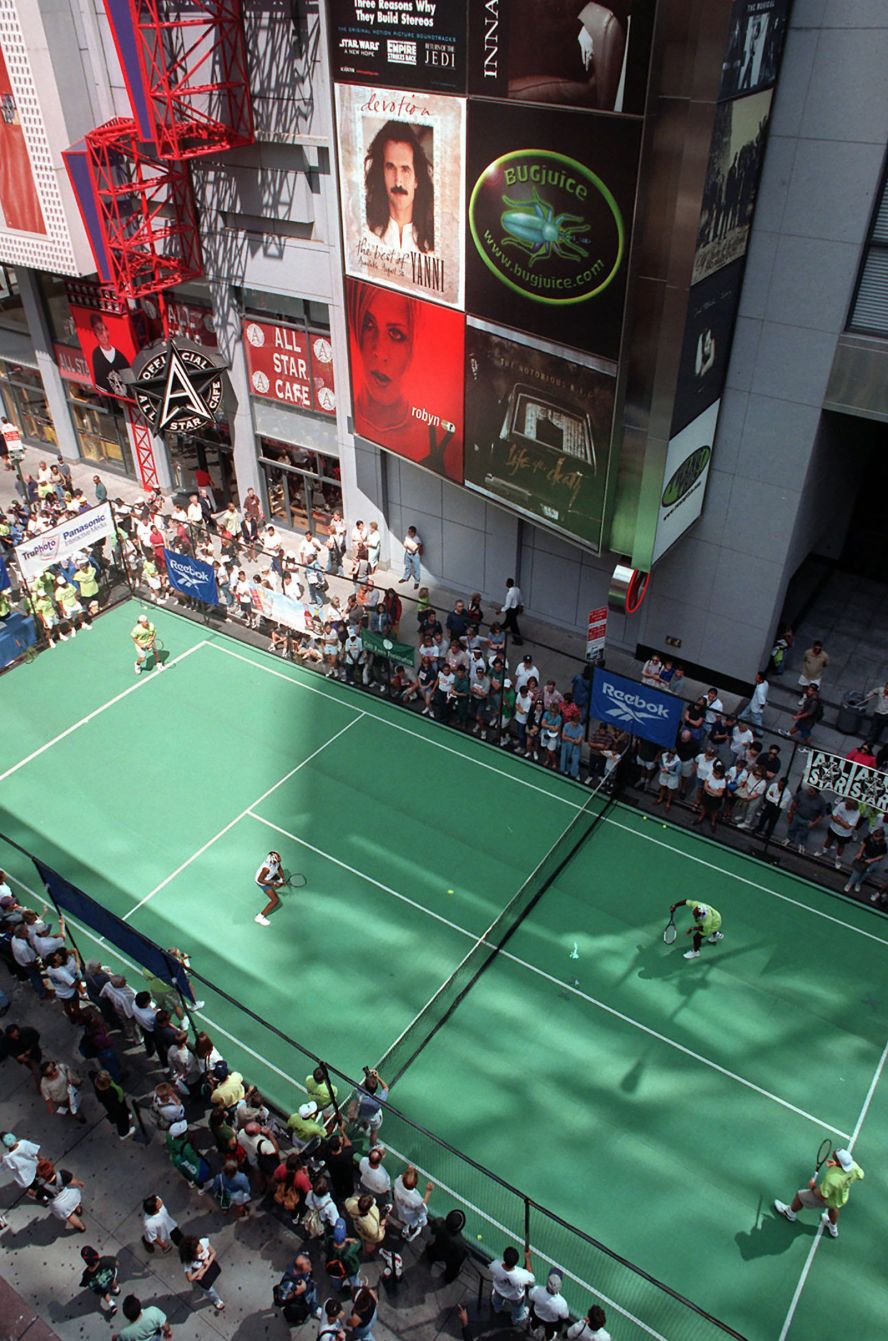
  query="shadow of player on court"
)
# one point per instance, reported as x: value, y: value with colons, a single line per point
x: 770, y: 1234
x: 656, y: 960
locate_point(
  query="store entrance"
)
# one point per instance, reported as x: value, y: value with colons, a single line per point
x: 204, y: 460
x: 865, y: 552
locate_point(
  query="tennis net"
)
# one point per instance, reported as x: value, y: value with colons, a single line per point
x: 421, y: 1030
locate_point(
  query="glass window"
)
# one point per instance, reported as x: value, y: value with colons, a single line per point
x: 100, y: 427
x: 205, y: 460
x: 24, y: 400
x: 303, y: 312
x: 303, y: 487
x: 58, y: 314
x: 12, y: 312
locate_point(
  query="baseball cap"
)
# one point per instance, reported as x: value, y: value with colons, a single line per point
x: 553, y: 1284
x: 9, y: 1140
x: 846, y: 1159
x: 339, y: 1231
x: 89, y: 1254
x: 308, y: 1110
x: 220, y: 1070
x: 178, y: 1129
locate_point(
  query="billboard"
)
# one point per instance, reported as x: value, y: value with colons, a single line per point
x: 290, y: 365
x: 688, y: 459
x: 732, y: 178
x: 60, y: 542
x: 538, y: 430
x: 709, y: 328
x: 843, y: 777
x: 401, y: 169
x: 591, y: 56
x: 551, y: 196
x: 109, y: 343
x: 20, y: 208
x: 649, y: 713
x: 755, y: 43
x: 407, y: 376
x: 72, y: 365
x: 415, y: 44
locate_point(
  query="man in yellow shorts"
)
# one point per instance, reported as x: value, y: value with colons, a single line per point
x: 707, y: 924
x: 840, y: 1171
x: 144, y: 635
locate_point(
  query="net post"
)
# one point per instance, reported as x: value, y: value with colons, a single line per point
x: 526, y: 1226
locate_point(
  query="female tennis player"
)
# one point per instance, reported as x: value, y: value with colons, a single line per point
x: 269, y: 878
x: 144, y: 635
x: 707, y: 921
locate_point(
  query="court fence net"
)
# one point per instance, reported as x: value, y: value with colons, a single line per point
x: 639, y: 1306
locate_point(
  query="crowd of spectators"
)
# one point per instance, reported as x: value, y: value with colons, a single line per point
x: 324, y: 1172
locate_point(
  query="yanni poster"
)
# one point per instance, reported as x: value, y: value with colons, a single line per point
x: 407, y: 376
x: 401, y: 168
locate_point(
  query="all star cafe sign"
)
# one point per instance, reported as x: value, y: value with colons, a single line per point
x: 178, y: 386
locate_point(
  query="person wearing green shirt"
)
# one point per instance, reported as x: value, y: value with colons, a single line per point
x: 70, y: 609
x: 144, y: 1324
x: 144, y: 636
x: 840, y: 1171
x: 307, y: 1123
x: 706, y: 925
x: 85, y: 581
x: 5, y: 607
x: 44, y: 609
x: 316, y: 1088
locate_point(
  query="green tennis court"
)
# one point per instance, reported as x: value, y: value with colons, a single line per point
x: 658, y: 1105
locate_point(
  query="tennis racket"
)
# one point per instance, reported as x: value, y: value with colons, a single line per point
x: 823, y: 1154
x: 671, y: 931
x: 293, y: 879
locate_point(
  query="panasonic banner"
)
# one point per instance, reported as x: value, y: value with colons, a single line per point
x: 633, y: 707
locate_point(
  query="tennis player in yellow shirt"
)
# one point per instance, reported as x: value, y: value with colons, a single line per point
x: 144, y: 636
x: 831, y: 1194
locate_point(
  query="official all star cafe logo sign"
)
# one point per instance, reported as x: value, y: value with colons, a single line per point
x: 178, y: 386
x: 547, y: 227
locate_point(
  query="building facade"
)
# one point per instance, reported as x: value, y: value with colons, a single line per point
x: 740, y: 399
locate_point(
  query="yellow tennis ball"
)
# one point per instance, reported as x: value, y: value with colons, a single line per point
x: 450, y: 891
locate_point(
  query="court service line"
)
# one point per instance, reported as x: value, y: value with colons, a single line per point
x: 532, y: 968
x: 563, y: 800
x: 396, y: 726
x: 744, y: 880
x: 143, y: 680
x: 812, y: 1252
x: 243, y: 814
x: 426, y: 1173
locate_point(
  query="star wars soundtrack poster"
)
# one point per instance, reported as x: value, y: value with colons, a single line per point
x: 401, y: 172
x: 755, y: 45
x: 407, y: 376
x: 732, y: 179
x: 418, y: 44
x: 709, y: 328
x: 550, y: 201
x: 562, y: 52
x: 538, y: 430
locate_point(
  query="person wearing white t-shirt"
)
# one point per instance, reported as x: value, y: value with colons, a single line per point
x: 590, y: 1328
x: 510, y: 1285
x: 159, y: 1229
x: 548, y: 1306
x: 755, y: 708
x: 843, y: 824
x: 525, y: 671
x: 374, y: 1178
x: 269, y: 878
x: 20, y: 1158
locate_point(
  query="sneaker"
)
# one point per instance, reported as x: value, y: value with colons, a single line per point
x: 388, y: 1258
x: 831, y: 1229
x: 124, y: 1136
x: 838, y: 863
x: 263, y: 921
x: 846, y: 889
x: 198, y: 1005
x: 821, y: 852
x: 138, y: 670
x: 802, y: 849
x: 691, y: 954
x: 716, y: 937
x: 160, y: 667
x: 397, y: 1265
x: 411, y: 1234
x: 784, y: 1209
x: 109, y: 1312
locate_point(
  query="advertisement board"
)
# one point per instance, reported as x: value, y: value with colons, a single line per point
x: 407, y: 376
x: 757, y: 34
x: 60, y: 542
x: 109, y: 343
x: 709, y: 327
x: 843, y: 777
x: 732, y: 179
x: 72, y: 364
x: 401, y: 170
x: 538, y: 430
x: 594, y: 56
x: 551, y: 196
x: 415, y: 44
x: 635, y: 707
x: 192, y: 577
x: 290, y: 365
x: 20, y: 208
x: 684, y: 480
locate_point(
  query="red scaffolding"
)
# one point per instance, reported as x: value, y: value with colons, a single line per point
x: 194, y: 77
x: 146, y: 212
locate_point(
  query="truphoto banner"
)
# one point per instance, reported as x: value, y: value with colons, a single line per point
x: 854, y: 782
x: 637, y: 709
x: 33, y: 556
x: 191, y: 577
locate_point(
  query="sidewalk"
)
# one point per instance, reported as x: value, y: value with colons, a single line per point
x: 41, y: 1258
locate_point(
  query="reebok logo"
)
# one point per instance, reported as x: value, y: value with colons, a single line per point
x: 633, y: 707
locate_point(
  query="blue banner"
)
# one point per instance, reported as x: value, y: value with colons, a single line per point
x: 633, y: 707
x: 5, y: 583
x: 191, y: 577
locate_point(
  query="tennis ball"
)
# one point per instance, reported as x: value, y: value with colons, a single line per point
x: 645, y: 818
x: 479, y: 1236
x: 450, y: 891
x: 664, y: 826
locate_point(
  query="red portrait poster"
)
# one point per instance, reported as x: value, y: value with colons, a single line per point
x: 407, y: 376
x: 19, y: 205
x: 109, y: 344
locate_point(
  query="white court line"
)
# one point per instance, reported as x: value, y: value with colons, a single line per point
x: 142, y: 680
x: 426, y: 1173
x: 532, y: 968
x: 574, y: 805
x: 231, y: 823
x: 397, y: 726
x: 812, y: 1252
